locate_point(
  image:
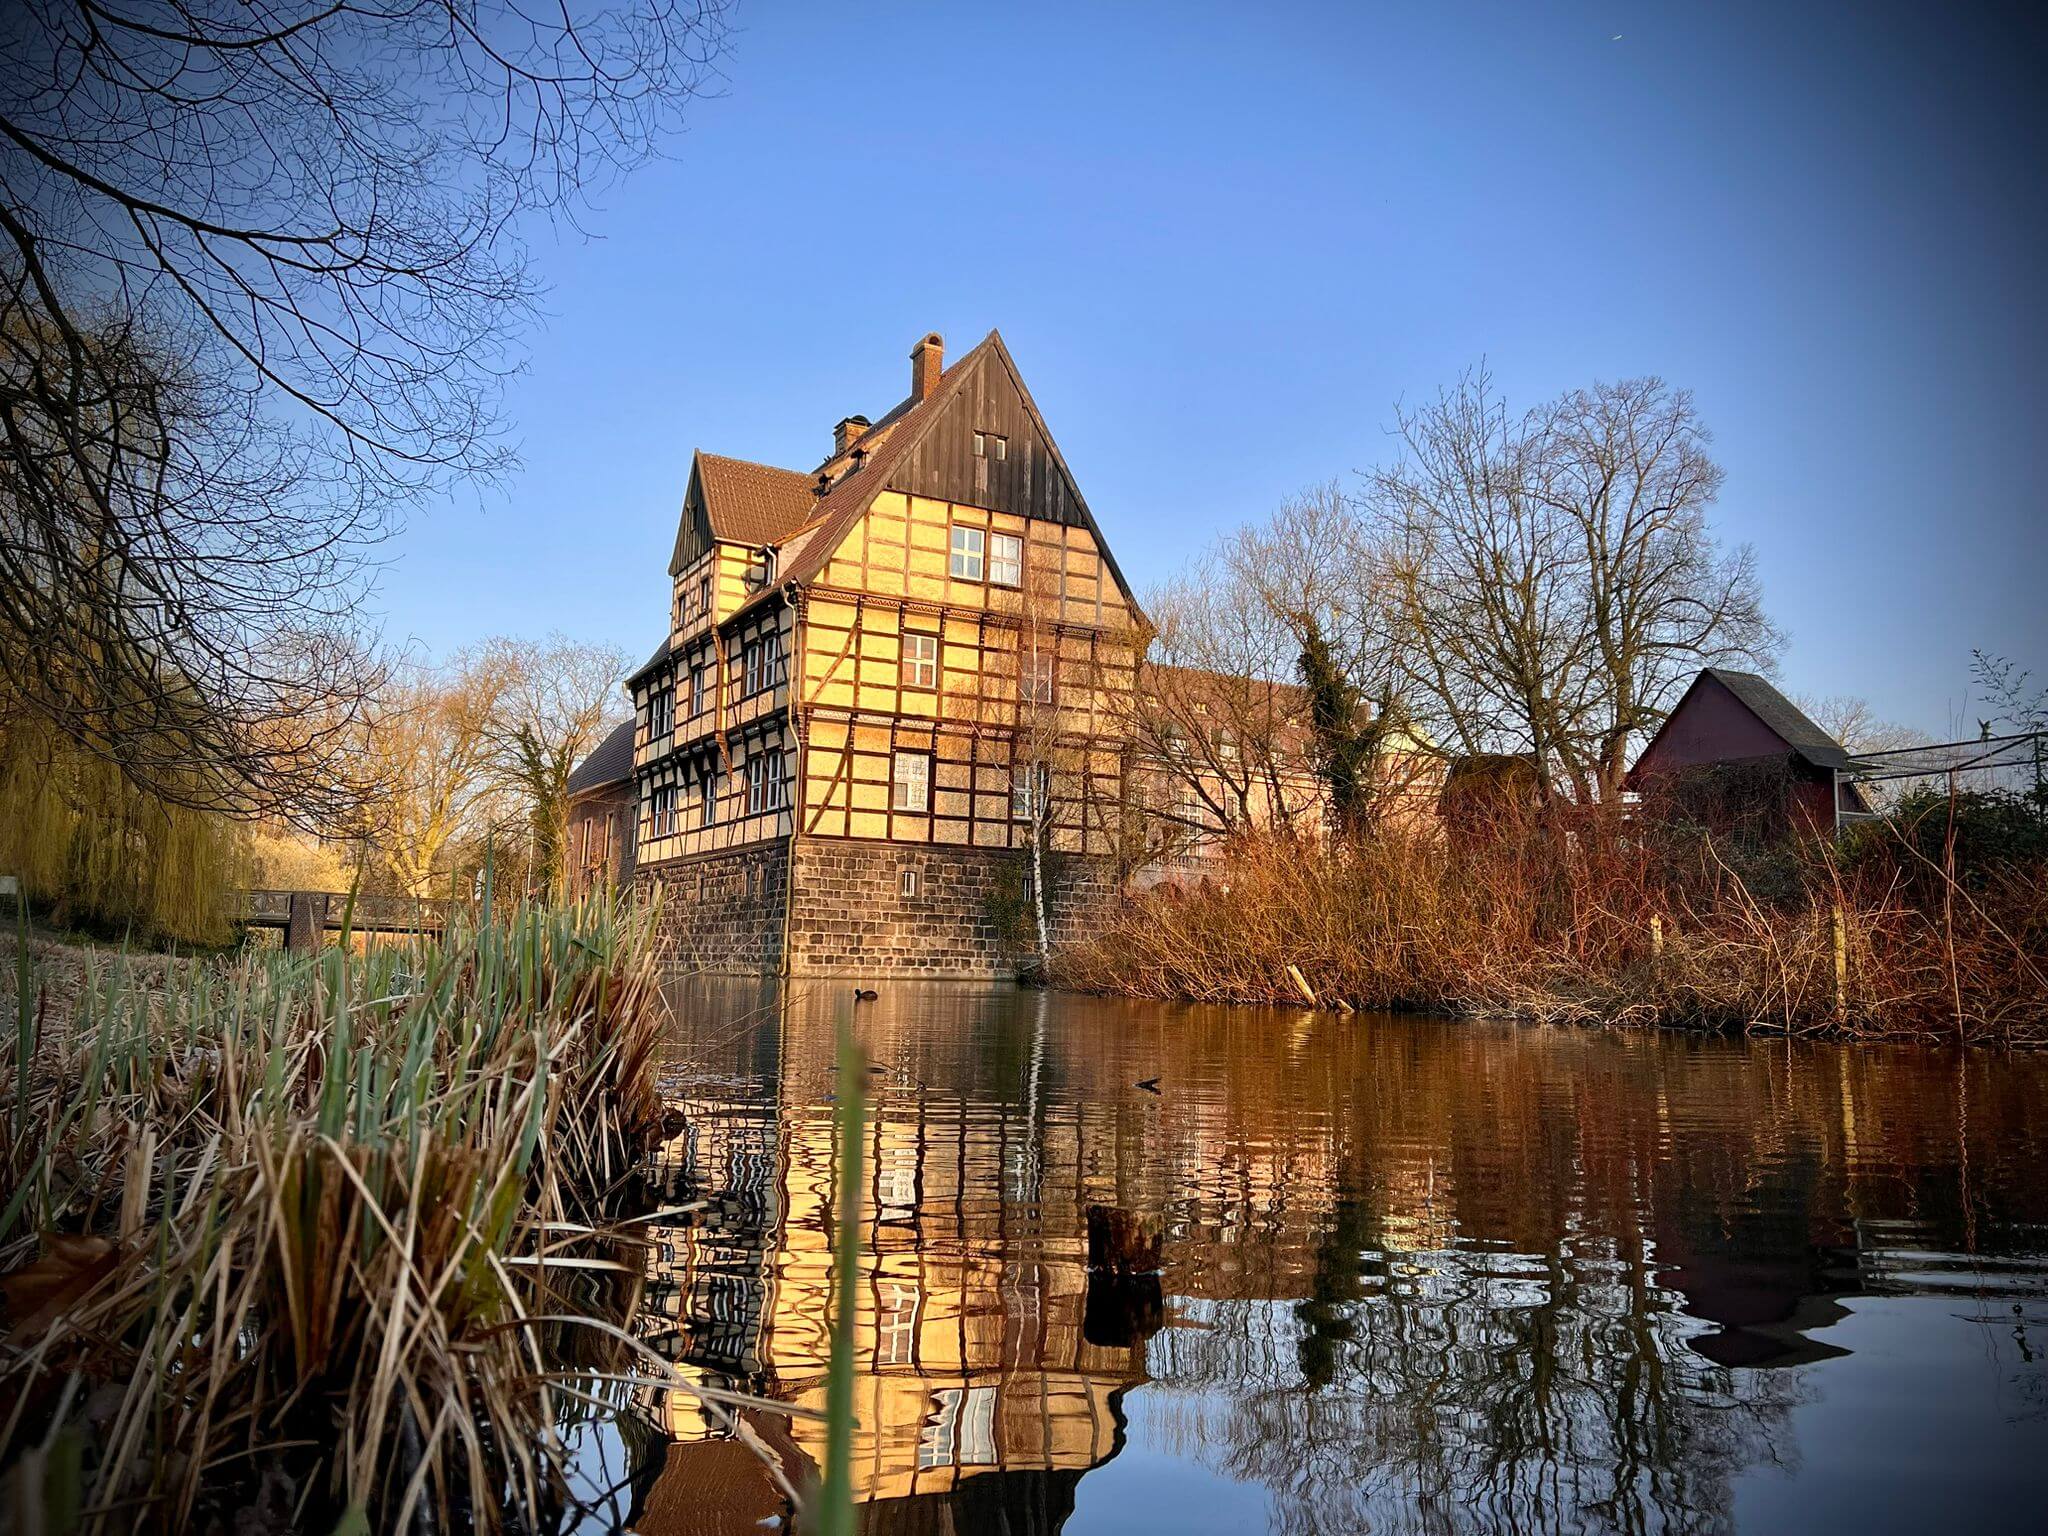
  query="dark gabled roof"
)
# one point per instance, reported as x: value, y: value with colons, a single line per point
x: 661, y: 654
x: 883, y: 447
x: 1778, y: 714
x: 1787, y: 719
x: 610, y: 762
x: 759, y: 504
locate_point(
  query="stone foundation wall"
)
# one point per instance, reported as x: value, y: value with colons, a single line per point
x: 723, y: 912
x: 965, y: 919
x: 720, y: 911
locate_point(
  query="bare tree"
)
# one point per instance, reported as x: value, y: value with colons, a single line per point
x: 1215, y: 723
x: 432, y: 744
x: 259, y: 279
x: 1552, y: 576
x: 1857, y: 726
x: 2003, y: 686
x: 559, y: 699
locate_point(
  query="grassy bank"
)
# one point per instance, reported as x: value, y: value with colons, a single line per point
x: 1888, y: 938
x: 308, y: 1240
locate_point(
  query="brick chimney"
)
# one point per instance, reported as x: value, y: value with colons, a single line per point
x: 927, y: 362
x: 847, y: 433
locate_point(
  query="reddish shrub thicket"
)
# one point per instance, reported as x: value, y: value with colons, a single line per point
x: 1602, y: 923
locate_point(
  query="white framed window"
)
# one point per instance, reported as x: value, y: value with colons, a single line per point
x: 991, y: 445
x: 970, y: 552
x: 896, y: 1329
x: 920, y: 661
x: 765, y: 783
x: 699, y: 692
x: 1006, y: 560
x: 762, y: 661
x: 960, y: 1430
x: 704, y: 595
x: 660, y: 710
x: 909, y: 882
x: 707, y: 810
x: 661, y: 810
x: 910, y: 782
x: 1038, y: 677
x: 1030, y: 790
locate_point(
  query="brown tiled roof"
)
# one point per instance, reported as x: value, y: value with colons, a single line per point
x: 1205, y: 682
x: 840, y: 507
x: 610, y: 761
x: 1230, y: 695
x: 764, y: 505
x: 753, y: 503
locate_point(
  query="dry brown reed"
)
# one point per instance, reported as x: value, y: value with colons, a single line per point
x: 317, y: 1235
x: 1602, y: 923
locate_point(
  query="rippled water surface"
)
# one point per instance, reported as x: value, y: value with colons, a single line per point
x: 1417, y: 1276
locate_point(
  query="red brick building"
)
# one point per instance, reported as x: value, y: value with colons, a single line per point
x: 602, y: 806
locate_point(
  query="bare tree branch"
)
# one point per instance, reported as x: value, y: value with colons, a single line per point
x: 259, y: 288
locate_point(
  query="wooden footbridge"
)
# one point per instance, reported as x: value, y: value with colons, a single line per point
x: 307, y: 917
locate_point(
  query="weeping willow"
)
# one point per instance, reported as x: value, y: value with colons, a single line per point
x: 102, y: 853
x: 109, y: 813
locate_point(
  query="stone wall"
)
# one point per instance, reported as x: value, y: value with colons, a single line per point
x: 721, y: 911
x: 853, y: 916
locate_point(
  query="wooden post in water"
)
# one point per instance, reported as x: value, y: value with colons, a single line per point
x: 1308, y: 993
x: 1124, y: 1305
x: 1122, y: 1242
x: 1841, y: 937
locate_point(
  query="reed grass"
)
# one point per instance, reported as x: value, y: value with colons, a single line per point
x: 1596, y: 925
x: 303, y: 1232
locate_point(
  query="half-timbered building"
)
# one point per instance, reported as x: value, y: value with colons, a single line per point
x: 882, y: 679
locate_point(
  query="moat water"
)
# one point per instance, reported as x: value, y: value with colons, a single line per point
x: 1416, y: 1276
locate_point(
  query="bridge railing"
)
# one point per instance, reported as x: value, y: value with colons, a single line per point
x: 372, y: 914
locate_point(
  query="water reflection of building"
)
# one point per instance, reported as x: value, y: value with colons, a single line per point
x: 977, y: 1385
x: 1418, y: 1277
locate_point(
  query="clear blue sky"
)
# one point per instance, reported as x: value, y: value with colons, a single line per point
x: 1223, y: 241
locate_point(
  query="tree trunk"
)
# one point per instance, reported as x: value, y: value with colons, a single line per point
x: 1038, y: 889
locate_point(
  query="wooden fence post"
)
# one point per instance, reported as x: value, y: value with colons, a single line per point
x: 305, y: 922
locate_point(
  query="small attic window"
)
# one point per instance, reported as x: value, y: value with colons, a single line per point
x: 990, y: 445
